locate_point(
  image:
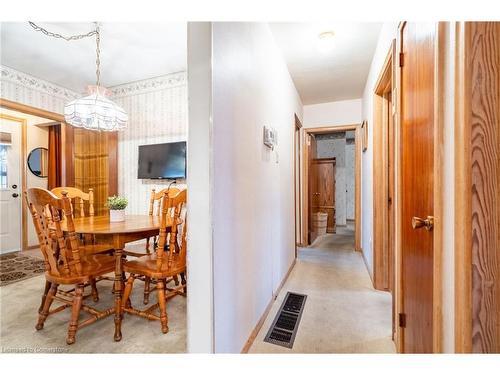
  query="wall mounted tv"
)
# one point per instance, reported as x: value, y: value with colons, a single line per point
x: 162, y: 161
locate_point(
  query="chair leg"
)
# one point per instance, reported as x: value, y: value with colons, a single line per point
x: 95, y: 293
x: 147, y: 289
x: 75, y: 313
x: 176, y: 280
x: 128, y: 290
x: 162, y: 305
x: 147, y: 246
x: 183, y: 281
x: 42, y: 316
x: 44, y: 296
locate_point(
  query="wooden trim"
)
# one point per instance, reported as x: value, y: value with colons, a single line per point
x: 439, y: 124
x: 263, y: 318
x: 297, y: 174
x: 357, y: 177
x: 23, y: 171
x: 380, y: 222
x: 357, y: 191
x: 463, y: 199
x: 31, y: 110
x: 399, y: 337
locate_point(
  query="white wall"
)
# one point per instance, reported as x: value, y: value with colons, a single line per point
x: 387, y: 34
x: 344, y: 112
x: 253, y: 196
x: 157, y: 111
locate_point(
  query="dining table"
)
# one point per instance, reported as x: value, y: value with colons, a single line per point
x: 118, y: 234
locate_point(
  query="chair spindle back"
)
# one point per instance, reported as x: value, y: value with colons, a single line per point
x: 175, y: 203
x: 67, y: 259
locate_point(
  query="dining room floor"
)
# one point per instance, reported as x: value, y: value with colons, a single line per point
x: 20, y: 301
x: 343, y: 313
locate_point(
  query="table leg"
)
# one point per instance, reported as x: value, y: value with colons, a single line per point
x: 118, y: 293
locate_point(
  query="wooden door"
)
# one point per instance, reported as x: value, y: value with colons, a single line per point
x: 10, y: 185
x: 323, y: 190
x: 417, y: 156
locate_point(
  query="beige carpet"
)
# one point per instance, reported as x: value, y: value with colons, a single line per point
x: 19, y: 304
x: 343, y: 313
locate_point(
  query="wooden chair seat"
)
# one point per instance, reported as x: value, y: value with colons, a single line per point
x: 147, y: 266
x: 93, y: 266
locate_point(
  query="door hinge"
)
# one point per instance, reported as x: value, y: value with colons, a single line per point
x: 401, y: 59
x: 402, y: 320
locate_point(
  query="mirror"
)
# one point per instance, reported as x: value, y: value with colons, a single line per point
x: 38, y: 161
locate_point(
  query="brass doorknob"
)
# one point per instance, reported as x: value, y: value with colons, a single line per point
x: 417, y: 222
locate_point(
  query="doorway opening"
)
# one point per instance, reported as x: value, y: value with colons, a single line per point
x: 332, y: 181
x: 25, y: 162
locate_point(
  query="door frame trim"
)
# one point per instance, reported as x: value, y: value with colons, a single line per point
x: 357, y: 177
x: 297, y: 126
x: 380, y: 170
x: 439, y: 123
x: 23, y: 171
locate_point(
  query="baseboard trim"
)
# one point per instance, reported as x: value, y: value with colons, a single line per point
x: 262, y: 319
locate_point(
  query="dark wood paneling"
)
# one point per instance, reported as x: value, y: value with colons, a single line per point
x: 113, y: 163
x: 483, y: 58
x: 323, y: 190
x: 417, y: 190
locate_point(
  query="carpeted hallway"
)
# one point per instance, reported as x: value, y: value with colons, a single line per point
x: 343, y: 313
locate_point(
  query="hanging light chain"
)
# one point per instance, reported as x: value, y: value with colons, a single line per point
x: 95, y: 32
x: 59, y: 36
x: 98, y: 54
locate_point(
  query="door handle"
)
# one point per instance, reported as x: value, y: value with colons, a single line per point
x: 417, y: 222
x: 15, y: 195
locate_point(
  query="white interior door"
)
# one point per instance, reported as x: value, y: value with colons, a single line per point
x: 10, y: 182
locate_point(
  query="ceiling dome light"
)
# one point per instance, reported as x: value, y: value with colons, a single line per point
x: 326, y: 41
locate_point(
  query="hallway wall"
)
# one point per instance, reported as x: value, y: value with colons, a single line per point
x: 253, y: 187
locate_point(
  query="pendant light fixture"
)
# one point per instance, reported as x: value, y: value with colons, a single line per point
x: 94, y: 111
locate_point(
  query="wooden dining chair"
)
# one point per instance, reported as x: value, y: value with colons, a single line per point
x: 164, y: 264
x: 69, y: 263
x: 155, y: 206
x: 81, y: 199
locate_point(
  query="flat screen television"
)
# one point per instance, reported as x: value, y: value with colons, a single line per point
x: 162, y: 161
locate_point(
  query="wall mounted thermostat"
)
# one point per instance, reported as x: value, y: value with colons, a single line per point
x: 270, y: 137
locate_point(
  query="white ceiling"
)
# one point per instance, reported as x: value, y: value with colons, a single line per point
x: 129, y: 52
x: 339, y: 74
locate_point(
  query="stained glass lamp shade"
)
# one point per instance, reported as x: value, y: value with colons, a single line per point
x: 95, y: 112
